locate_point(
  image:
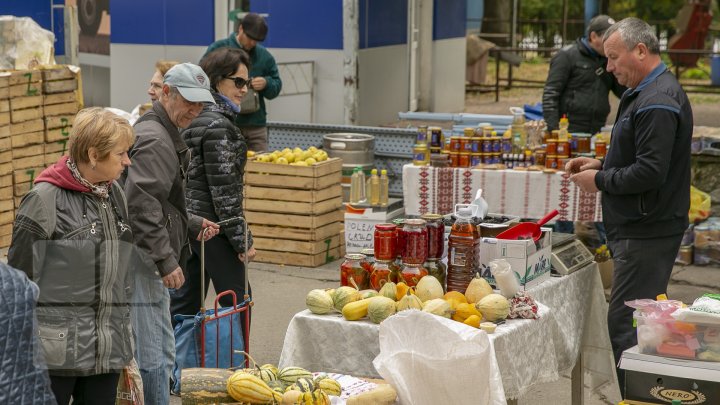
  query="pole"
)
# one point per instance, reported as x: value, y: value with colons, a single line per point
x: 351, y: 47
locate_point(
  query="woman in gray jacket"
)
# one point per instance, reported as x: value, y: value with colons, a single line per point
x: 71, y: 238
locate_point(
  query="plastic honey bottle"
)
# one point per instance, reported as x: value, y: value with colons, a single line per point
x: 384, y: 188
x: 355, y: 187
x: 362, y: 194
x: 374, y: 188
x: 463, y: 251
x: 563, y: 134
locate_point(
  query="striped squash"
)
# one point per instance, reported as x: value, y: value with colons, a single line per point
x: 317, y: 397
x: 330, y: 386
x: 246, y: 387
x: 289, y: 375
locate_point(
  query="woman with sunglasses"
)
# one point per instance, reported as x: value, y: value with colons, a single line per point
x: 215, y: 183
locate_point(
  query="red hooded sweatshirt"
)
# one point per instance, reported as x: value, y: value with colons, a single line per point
x: 60, y: 176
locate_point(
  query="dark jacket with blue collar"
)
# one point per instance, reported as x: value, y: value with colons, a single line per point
x: 645, y: 178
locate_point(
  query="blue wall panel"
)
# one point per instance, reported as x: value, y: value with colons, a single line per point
x: 382, y: 23
x: 312, y: 24
x: 162, y: 22
x: 449, y: 19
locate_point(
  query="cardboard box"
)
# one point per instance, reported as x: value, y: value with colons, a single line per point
x: 530, y: 261
x: 360, y: 226
x: 655, y: 379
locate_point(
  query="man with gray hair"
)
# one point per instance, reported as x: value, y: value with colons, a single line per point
x: 645, y: 178
x: 155, y: 189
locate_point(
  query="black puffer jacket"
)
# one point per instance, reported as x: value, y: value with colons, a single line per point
x: 215, y: 176
x: 577, y: 86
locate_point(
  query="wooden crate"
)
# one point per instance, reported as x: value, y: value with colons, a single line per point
x: 22, y: 83
x: 4, y: 118
x: 19, y: 103
x: 29, y: 161
x: 59, y: 86
x: 7, y: 205
x: 298, y: 259
x: 291, y: 207
x: 295, y: 221
x: 5, y: 144
x: 7, y: 217
x: 6, y: 180
x: 4, y: 105
x: 317, y: 170
x: 26, y: 114
x: 58, y: 128
x: 62, y: 109
x: 58, y: 72
x: 316, y: 177
x: 4, y: 87
x: 301, y: 234
x: 30, y: 138
x: 6, y: 193
x: 53, y: 152
x: 296, y: 246
x: 60, y: 98
x: 282, y: 194
x: 5, y: 235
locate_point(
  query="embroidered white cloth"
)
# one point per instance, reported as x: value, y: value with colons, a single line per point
x: 525, y: 194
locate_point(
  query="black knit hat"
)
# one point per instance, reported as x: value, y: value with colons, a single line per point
x: 254, y: 26
x: 600, y: 24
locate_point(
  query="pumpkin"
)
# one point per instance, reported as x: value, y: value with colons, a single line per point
x: 455, y: 295
x: 477, y: 289
x: 439, y: 307
x: 317, y: 397
x: 380, y: 308
x: 319, y: 302
x: 494, y: 307
x: 409, y: 301
x: 205, y: 385
x: 345, y: 295
x: 246, y: 387
x: 330, y: 386
x: 401, y: 290
x: 428, y: 288
x: 389, y: 290
x: 463, y: 311
x: 289, y: 375
x: 356, y: 310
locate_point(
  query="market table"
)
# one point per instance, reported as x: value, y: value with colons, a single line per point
x: 529, y: 352
x: 527, y: 194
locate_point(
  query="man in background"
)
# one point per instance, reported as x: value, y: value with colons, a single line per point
x: 265, y: 79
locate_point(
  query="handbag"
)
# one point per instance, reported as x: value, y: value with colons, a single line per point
x: 250, y: 102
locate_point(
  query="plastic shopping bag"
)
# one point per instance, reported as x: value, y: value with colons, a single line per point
x: 448, y: 363
x: 699, y: 205
x: 130, y: 386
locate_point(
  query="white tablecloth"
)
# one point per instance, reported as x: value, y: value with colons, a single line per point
x: 525, y: 194
x: 573, y: 316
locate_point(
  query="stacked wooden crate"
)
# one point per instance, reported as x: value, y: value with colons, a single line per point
x: 295, y: 212
x: 36, y: 112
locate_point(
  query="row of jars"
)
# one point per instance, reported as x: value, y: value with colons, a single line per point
x: 405, y: 250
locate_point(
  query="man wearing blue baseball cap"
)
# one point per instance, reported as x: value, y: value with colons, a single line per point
x: 155, y: 190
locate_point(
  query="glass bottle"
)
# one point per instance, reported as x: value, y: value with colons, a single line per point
x: 416, y: 241
x: 374, y: 187
x: 352, y: 269
x: 563, y: 124
x: 383, y: 271
x: 463, y: 251
x: 384, y: 188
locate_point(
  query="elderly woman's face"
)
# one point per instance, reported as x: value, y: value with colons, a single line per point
x: 111, y: 168
x: 228, y: 88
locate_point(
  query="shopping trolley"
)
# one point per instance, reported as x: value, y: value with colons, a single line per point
x: 216, y: 337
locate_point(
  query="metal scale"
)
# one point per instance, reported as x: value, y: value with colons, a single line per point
x: 568, y: 254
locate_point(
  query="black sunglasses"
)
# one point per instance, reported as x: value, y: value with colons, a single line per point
x: 239, y: 81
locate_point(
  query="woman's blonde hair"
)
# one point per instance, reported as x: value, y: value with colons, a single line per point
x: 163, y: 66
x: 98, y: 128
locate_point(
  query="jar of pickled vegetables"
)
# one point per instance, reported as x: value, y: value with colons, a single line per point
x: 353, y: 273
x: 437, y: 269
x: 385, y: 242
x: 412, y: 273
x: 416, y: 241
x: 436, y: 235
x: 383, y: 271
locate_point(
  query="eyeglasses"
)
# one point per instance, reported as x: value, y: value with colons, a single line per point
x: 239, y: 81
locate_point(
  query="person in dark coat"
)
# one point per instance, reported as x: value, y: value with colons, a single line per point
x: 215, y: 183
x: 577, y: 85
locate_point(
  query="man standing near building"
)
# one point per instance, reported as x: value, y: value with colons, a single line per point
x: 577, y: 85
x: 155, y: 189
x: 265, y: 80
x: 645, y: 178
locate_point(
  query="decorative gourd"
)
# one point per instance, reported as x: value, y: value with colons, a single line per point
x: 428, y: 288
x: 368, y: 293
x: 409, y: 301
x: 246, y: 387
x: 383, y: 394
x: 356, y: 310
x: 270, y: 367
x: 289, y: 375
x: 438, y: 306
x: 317, y: 397
x: 303, y: 384
x: 204, y: 385
x: 477, y: 289
x: 473, y: 320
x: 380, y: 308
x: 277, y: 386
x: 266, y: 374
x: 493, y: 307
x: 389, y: 290
x: 290, y: 397
x: 401, y: 290
x: 319, y: 302
x: 463, y: 311
x: 345, y: 295
x: 331, y: 292
x: 455, y: 295
x: 330, y: 386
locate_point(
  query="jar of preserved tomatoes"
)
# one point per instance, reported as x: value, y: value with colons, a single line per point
x: 437, y: 269
x: 385, y: 240
x: 353, y: 273
x: 383, y: 271
x: 416, y: 241
x: 400, y: 235
x: 412, y: 273
x: 436, y: 235
x: 369, y: 260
